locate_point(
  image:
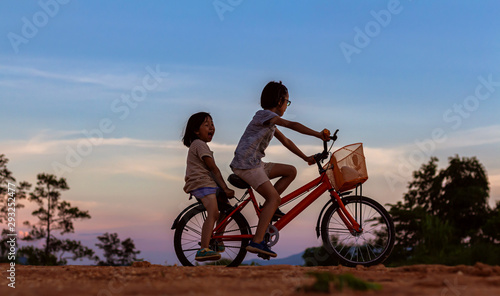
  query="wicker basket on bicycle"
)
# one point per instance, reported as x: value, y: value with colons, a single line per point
x: 347, y: 168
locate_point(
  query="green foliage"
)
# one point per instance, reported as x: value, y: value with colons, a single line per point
x: 445, y: 217
x: 319, y: 256
x: 54, y: 215
x: 225, y: 261
x: 326, y: 282
x: 436, y: 236
x: 73, y: 248
x: 59, y: 253
x: 46, y: 195
x: 10, y: 203
x: 491, y: 228
x: 18, y: 195
x: 116, y: 252
x: 36, y: 256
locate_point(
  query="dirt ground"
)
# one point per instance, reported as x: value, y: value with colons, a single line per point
x: 274, y: 280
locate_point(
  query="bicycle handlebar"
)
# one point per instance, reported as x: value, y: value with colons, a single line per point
x: 334, y: 138
x: 324, y: 155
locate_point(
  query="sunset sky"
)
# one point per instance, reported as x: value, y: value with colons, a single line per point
x: 98, y: 92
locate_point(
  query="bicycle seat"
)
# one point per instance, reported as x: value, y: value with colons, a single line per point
x: 237, y: 182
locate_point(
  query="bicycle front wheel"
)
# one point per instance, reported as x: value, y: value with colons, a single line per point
x: 187, y: 239
x: 369, y: 247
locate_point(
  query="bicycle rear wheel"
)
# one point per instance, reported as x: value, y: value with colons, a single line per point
x: 187, y: 238
x: 370, y: 247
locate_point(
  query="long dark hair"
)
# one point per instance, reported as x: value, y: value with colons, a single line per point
x: 193, y: 125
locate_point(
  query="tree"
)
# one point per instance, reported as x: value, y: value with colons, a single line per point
x: 465, y: 192
x: 54, y: 215
x: 10, y: 202
x: 116, y: 252
x: 491, y: 228
x: 444, y: 212
x: 319, y: 256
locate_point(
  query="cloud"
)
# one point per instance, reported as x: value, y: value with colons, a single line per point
x: 160, y: 159
x: 425, y: 148
x: 157, y: 166
x: 94, y: 78
x: 472, y: 137
x: 165, y: 159
x: 108, y: 80
x: 50, y: 142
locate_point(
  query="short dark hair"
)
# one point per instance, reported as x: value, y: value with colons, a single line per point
x: 272, y: 94
x: 192, y: 126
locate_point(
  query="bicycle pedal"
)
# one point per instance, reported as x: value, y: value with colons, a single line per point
x: 264, y: 256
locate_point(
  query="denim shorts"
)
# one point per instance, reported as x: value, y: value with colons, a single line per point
x: 203, y: 191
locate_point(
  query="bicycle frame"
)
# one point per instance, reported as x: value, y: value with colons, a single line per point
x: 318, y: 186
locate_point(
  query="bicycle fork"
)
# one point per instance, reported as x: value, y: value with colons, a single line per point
x: 352, y: 225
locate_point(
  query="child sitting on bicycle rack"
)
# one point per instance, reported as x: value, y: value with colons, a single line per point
x: 248, y: 165
x: 203, y: 178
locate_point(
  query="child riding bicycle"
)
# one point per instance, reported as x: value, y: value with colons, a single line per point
x: 248, y: 165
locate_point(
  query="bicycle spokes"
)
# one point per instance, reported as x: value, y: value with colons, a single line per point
x: 352, y: 228
x: 229, y: 240
x: 371, y: 244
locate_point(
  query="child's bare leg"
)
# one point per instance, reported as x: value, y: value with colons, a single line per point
x: 210, y: 203
x: 273, y: 201
x: 287, y: 174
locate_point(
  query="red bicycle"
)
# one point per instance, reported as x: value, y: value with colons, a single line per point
x: 356, y: 229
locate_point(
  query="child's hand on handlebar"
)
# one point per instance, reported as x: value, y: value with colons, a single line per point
x: 325, y: 135
x: 310, y: 160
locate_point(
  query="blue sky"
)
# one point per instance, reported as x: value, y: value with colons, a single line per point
x: 128, y: 74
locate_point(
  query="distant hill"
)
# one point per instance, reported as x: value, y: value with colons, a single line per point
x: 290, y: 260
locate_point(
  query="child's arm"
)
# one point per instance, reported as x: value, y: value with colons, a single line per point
x: 298, y: 127
x: 292, y: 147
x: 209, y: 161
